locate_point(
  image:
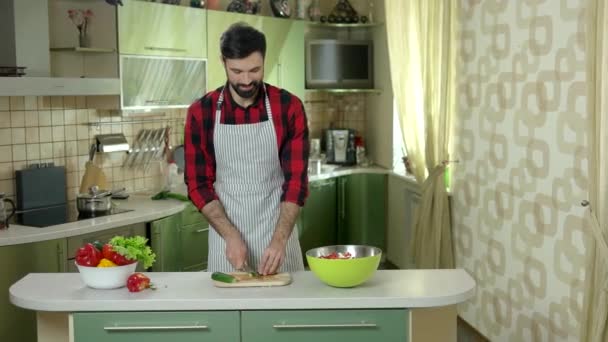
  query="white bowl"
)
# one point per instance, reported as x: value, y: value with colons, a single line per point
x: 106, y: 277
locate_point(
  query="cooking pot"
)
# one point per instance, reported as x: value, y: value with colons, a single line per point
x: 95, y: 201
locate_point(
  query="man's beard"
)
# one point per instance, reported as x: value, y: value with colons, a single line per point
x: 246, y: 94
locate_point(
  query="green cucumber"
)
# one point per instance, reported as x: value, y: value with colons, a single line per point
x: 223, y: 277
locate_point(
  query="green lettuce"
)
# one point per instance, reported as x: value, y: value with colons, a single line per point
x: 134, y: 248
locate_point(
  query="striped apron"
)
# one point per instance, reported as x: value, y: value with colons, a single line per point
x: 248, y: 182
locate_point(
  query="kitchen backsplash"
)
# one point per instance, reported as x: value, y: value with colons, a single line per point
x: 60, y: 129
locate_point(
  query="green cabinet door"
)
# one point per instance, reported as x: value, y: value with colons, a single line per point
x: 291, y: 60
x: 164, y: 240
x: 146, y: 28
x: 157, y: 326
x: 19, y: 324
x: 317, y: 223
x: 194, y: 247
x: 362, y: 210
x: 325, y: 325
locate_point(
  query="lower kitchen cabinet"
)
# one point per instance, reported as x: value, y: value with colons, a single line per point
x: 17, y: 324
x: 362, y: 210
x: 157, y: 326
x: 325, y: 325
x: 180, y: 241
x: 317, y: 221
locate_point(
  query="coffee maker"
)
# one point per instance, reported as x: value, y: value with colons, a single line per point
x: 340, y: 146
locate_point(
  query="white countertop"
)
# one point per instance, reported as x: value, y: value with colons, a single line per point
x: 65, y: 292
x: 144, y: 210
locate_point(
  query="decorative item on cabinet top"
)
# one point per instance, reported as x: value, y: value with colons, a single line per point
x: 280, y: 8
x: 244, y: 6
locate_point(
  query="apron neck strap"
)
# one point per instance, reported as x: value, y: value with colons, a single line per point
x: 220, y: 102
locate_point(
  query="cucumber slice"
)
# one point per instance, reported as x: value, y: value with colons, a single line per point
x: 223, y: 277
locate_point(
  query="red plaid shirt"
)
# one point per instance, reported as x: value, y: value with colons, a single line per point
x: 291, y: 130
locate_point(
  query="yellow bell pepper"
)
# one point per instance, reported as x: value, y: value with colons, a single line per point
x: 106, y: 263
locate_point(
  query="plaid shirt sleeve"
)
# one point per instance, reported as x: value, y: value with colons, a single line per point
x: 294, y: 150
x: 199, y: 152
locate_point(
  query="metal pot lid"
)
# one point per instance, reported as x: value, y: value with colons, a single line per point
x: 95, y: 192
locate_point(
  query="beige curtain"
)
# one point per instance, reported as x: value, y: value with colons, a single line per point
x: 594, y: 323
x: 422, y: 50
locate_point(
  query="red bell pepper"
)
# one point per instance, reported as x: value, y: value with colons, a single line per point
x: 118, y: 259
x: 88, y: 255
x: 138, y: 282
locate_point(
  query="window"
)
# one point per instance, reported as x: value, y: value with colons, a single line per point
x: 399, y: 150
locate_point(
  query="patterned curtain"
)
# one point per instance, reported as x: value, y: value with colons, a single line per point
x: 422, y: 51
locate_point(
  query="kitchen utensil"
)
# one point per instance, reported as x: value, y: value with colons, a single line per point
x: 4, y: 214
x: 167, y: 194
x: 178, y: 158
x: 280, y: 8
x: 40, y: 186
x: 344, y: 272
x: 120, y: 194
x: 106, y: 277
x: 246, y: 280
x: 135, y: 146
x: 248, y: 269
x: 93, y: 174
x: 94, y: 201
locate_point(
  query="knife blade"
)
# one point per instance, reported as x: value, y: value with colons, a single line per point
x: 247, y: 269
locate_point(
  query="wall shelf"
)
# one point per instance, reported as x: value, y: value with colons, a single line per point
x: 343, y: 25
x: 347, y: 91
x: 83, y: 50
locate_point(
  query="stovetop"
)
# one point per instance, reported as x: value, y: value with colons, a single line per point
x: 60, y: 214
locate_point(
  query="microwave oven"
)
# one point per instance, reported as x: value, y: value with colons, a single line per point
x: 340, y: 64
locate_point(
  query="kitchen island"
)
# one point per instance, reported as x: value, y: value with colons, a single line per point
x: 395, y: 305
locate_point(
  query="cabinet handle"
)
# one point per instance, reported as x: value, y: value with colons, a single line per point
x: 157, y: 328
x: 156, y: 48
x: 202, y: 230
x: 323, y: 326
x: 342, y: 198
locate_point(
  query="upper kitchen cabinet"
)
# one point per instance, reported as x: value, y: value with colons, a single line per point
x: 284, y: 61
x: 154, y: 29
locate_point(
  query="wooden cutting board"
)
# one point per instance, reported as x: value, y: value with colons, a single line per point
x: 245, y: 280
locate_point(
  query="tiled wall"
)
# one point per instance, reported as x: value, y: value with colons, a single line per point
x: 327, y: 110
x: 58, y: 129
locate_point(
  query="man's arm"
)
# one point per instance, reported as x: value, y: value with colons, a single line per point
x: 236, y: 250
x: 200, y: 176
x: 294, y: 162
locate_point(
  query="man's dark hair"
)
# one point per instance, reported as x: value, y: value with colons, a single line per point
x: 241, y: 40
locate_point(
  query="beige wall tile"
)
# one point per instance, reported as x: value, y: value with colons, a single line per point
x: 69, y: 116
x: 19, y: 153
x: 46, y: 134
x: 32, y: 135
x: 69, y: 102
x: 19, y: 165
x: 6, y: 171
x: 44, y: 102
x: 6, y: 153
x: 5, y: 119
x: 58, y: 133
x: 70, y: 132
x: 82, y: 132
x: 31, y: 118
x: 72, y: 179
x: 58, y: 149
x: 44, y: 118
x: 83, y: 147
x: 46, y: 151
x: 82, y: 116
x: 33, y: 151
x: 57, y: 117
x: 5, y: 136
x: 71, y: 164
x: 5, y: 104
x: 81, y: 102
x: 30, y: 103
x: 17, y: 103
x: 71, y: 148
x: 6, y: 187
x: 17, y: 119
x: 56, y: 102
x: 18, y: 135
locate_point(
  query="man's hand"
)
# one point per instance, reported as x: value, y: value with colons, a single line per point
x: 236, y: 250
x: 273, y: 257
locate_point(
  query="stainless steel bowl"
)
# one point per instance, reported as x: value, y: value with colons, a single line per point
x: 357, y: 251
